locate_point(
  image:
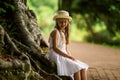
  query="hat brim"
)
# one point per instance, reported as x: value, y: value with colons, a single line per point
x: 62, y: 16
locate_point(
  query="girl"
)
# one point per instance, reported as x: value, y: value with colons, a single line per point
x: 59, y: 53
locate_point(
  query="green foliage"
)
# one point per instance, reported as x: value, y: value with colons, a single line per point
x: 44, y: 9
x: 100, y: 19
x: 9, y: 5
x: 2, y: 10
x: 5, y: 6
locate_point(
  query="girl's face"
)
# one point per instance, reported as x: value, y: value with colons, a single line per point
x: 62, y: 23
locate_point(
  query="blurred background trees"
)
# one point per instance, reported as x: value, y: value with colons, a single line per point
x: 96, y: 21
x: 44, y: 10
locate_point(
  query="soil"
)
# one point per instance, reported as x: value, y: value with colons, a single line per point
x: 96, y: 55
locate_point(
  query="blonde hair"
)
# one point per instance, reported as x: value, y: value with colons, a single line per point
x: 66, y: 32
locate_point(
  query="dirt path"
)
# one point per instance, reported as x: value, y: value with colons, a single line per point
x: 96, y: 55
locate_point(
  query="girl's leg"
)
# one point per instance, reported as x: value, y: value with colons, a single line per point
x: 83, y: 74
x: 77, y: 76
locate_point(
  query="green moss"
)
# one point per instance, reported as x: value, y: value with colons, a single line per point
x: 12, y: 74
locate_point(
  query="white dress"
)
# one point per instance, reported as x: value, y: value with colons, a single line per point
x: 65, y: 66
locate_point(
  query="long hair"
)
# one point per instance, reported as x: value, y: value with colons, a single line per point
x: 66, y: 31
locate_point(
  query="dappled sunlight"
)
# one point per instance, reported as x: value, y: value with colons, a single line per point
x: 77, y: 35
x: 44, y: 11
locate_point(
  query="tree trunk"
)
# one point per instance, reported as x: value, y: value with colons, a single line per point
x: 22, y: 46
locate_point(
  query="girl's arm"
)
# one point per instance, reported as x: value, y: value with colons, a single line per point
x: 68, y: 50
x: 55, y: 45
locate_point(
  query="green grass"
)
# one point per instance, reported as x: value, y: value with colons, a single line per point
x: 112, y: 46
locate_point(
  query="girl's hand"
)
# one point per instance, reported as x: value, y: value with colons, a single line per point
x: 72, y: 58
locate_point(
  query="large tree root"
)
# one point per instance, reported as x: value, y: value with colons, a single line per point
x: 24, y: 56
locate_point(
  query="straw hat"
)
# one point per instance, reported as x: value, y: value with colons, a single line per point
x: 62, y: 14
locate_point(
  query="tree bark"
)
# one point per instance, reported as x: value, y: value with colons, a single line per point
x: 24, y: 48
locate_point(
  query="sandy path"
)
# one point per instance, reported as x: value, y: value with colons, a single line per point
x: 96, y: 55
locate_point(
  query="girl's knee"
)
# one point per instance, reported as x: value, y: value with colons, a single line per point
x: 83, y: 70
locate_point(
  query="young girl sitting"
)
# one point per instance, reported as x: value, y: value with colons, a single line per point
x: 59, y: 52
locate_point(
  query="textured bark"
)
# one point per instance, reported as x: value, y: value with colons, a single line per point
x: 1, y: 36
